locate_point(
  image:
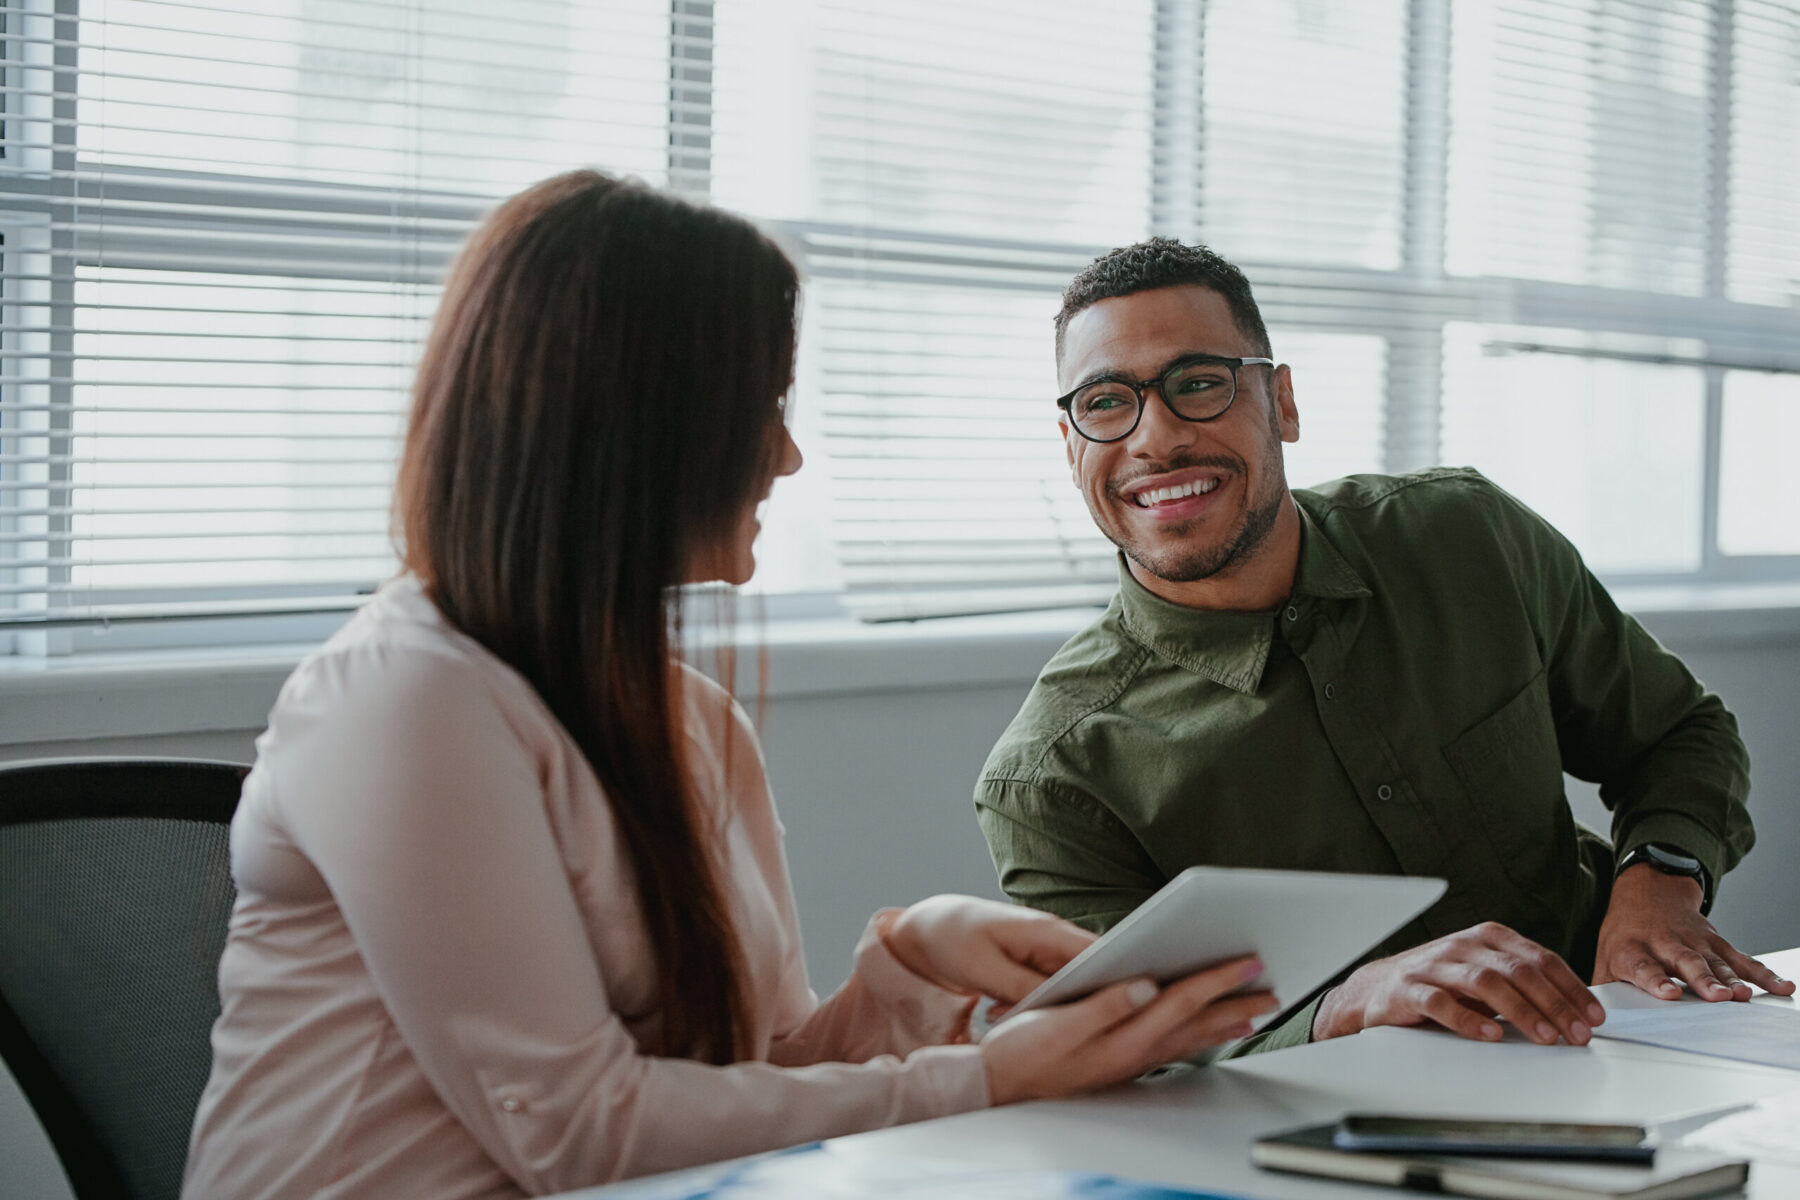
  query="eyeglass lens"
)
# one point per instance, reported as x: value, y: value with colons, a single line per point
x: 1195, y: 391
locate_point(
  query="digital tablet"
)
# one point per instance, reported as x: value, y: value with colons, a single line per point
x: 1306, y: 926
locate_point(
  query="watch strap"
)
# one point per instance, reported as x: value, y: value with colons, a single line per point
x: 1671, y: 860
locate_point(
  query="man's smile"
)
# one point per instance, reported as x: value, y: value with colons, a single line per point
x: 1174, y: 495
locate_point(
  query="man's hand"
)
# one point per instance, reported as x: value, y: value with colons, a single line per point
x: 1654, y: 935
x: 1461, y: 983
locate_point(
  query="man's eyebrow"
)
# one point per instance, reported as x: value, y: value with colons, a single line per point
x: 1114, y: 375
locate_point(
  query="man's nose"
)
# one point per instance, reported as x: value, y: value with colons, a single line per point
x: 1158, y: 428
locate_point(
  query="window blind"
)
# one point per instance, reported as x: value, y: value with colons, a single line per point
x: 1555, y: 240
x: 1303, y: 124
x: 946, y: 167
x: 1764, y: 233
x: 1582, y: 142
x: 223, y: 230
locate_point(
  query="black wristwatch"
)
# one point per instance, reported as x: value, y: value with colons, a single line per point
x: 1671, y: 860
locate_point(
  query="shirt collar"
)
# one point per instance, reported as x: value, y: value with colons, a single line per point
x: 1323, y: 571
x: 1232, y: 648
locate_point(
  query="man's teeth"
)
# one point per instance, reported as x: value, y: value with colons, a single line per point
x: 1154, y: 496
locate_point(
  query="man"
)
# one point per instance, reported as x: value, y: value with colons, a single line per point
x: 1383, y: 674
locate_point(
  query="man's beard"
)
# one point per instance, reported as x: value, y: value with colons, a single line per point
x: 1190, y: 564
x: 1180, y: 563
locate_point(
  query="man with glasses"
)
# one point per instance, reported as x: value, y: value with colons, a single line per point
x: 1382, y: 674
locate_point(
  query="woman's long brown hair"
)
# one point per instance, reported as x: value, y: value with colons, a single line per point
x: 597, y: 405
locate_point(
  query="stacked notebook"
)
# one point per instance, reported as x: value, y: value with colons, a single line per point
x: 1675, y: 1173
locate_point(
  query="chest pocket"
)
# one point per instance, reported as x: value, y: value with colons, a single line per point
x: 1511, y: 770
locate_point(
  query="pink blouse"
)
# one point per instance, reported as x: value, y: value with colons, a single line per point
x: 437, y: 982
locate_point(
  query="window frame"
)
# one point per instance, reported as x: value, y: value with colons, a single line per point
x: 1738, y: 335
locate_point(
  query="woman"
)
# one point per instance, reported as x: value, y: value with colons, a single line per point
x: 513, y: 915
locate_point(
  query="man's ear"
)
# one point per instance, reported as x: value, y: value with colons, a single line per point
x: 1287, y: 416
x: 1068, y: 436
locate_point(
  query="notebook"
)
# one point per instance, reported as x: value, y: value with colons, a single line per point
x: 1676, y: 1173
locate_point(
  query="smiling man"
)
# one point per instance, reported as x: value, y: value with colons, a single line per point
x: 1383, y: 674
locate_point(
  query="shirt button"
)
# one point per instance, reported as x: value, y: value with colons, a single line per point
x: 1330, y: 692
x: 1384, y: 792
x: 1293, y: 614
x: 511, y: 1104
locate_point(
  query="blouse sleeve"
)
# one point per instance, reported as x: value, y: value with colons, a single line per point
x: 421, y: 804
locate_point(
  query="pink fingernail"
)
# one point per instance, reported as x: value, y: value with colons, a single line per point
x: 1141, y: 992
x: 1253, y: 968
x: 1490, y: 1030
x: 1546, y: 1031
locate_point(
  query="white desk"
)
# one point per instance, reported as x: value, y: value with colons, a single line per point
x: 1195, y: 1130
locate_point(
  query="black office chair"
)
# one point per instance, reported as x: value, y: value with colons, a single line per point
x: 115, y: 890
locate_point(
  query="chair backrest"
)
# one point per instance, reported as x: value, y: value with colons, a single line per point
x: 115, y: 892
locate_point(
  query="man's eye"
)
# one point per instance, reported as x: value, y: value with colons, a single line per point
x: 1106, y: 402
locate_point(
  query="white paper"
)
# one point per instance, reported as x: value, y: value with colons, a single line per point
x: 1758, y: 1033
x: 1768, y: 1131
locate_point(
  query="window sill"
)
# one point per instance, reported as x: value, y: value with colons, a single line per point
x: 148, y: 693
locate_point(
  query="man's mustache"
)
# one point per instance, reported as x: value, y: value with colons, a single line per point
x: 1222, y: 462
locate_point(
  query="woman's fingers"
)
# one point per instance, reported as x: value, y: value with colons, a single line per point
x: 1006, y: 979
x: 1041, y: 941
x: 1062, y: 1051
x: 1187, y: 1005
x: 1222, y: 1021
x: 1120, y: 1032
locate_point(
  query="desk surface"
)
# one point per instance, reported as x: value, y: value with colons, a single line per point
x: 1195, y: 1129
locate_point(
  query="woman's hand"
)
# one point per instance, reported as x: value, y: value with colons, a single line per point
x: 982, y: 947
x: 1118, y: 1033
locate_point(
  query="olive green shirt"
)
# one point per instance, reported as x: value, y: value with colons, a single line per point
x: 1444, y: 657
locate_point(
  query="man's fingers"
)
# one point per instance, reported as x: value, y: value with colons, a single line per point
x: 1557, y: 974
x: 1557, y: 1005
x: 1526, y: 1000
x: 1685, y: 962
x: 1646, y: 973
x: 1754, y: 971
x: 1444, y: 1008
x: 1723, y: 971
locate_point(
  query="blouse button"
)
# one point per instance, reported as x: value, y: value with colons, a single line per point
x: 1330, y: 692
x: 1384, y: 792
x: 1293, y: 614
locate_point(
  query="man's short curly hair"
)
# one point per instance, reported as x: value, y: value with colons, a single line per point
x: 1159, y: 263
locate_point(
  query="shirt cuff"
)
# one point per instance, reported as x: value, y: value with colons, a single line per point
x: 1676, y: 829
x: 929, y: 1014
x: 1295, y: 1031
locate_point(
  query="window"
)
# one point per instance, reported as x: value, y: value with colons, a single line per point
x: 1559, y: 241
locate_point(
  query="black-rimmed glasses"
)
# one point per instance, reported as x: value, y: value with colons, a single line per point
x: 1200, y: 387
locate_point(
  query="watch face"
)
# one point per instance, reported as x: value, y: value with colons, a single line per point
x: 1671, y: 859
